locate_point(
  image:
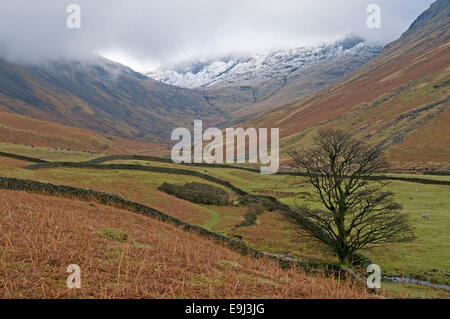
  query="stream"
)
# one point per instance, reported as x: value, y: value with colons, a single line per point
x: 417, y: 282
x: 388, y: 278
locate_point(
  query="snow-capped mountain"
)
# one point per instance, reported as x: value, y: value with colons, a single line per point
x: 241, y: 69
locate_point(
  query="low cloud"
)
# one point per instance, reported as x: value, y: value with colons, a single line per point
x: 148, y: 34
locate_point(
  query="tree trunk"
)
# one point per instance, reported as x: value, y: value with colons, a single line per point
x: 344, y: 260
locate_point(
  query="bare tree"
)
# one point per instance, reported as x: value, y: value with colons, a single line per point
x: 357, y: 211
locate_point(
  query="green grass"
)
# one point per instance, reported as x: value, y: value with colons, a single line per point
x: 214, y: 218
x: 432, y: 177
x: 404, y: 290
x: 48, y: 154
x: 432, y: 247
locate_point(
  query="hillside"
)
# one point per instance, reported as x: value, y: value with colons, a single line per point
x: 398, y: 100
x: 100, y: 95
x: 17, y: 129
x: 138, y: 179
x: 125, y: 255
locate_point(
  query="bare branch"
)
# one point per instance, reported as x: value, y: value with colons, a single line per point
x: 358, y: 212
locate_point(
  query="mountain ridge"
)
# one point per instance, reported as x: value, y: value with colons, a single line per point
x: 247, y: 68
x: 399, y: 100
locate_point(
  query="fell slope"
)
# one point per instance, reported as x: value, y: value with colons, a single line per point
x: 18, y: 129
x: 398, y: 100
x: 126, y: 255
x: 100, y: 95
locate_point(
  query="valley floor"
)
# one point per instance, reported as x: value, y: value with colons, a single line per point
x: 427, y: 258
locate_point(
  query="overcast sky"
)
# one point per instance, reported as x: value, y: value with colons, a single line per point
x: 146, y: 34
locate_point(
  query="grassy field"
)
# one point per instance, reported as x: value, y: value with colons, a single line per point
x: 402, y: 290
x: 427, y: 176
x: 47, y: 153
x: 427, y: 258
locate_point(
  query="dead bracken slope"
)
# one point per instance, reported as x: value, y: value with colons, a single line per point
x: 126, y: 255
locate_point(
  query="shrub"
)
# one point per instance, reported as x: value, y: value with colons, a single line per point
x: 198, y: 193
x: 360, y: 260
x: 267, y: 202
x: 114, y: 234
